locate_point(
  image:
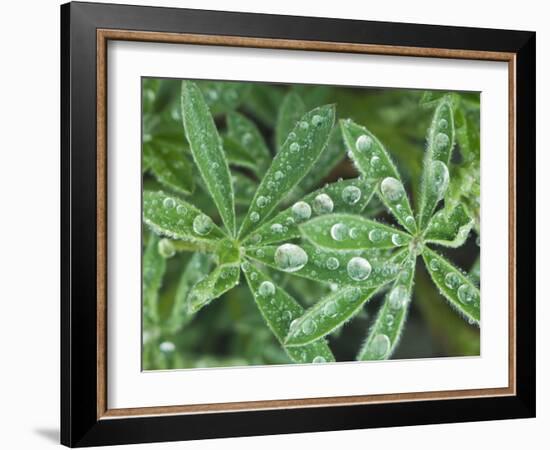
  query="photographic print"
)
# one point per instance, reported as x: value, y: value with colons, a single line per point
x: 297, y: 224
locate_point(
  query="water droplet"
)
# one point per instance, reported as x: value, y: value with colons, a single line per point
x: 451, y: 280
x: 169, y: 202
x: 266, y: 289
x: 399, y: 297
x: 380, y: 346
x: 323, y: 204
x: 397, y: 239
x: 287, y: 315
x: 279, y: 175
x: 353, y: 233
x: 181, y: 210
x: 166, y: 248
x: 262, y: 201
x: 253, y: 276
x: 301, y: 211
x: 409, y: 221
x: 389, y: 320
x: 363, y: 143
x: 260, y: 253
x: 358, y: 268
x: 202, y: 225
x: 466, y: 294
x: 375, y: 162
x: 295, y: 147
x: 441, y: 141
x: 256, y: 239
x: 351, y: 195
x: 167, y: 347
x: 254, y: 217
x: 304, y: 125
x: 276, y: 228
x: 339, y: 231
x: 352, y: 295
x: 330, y: 309
x: 434, y: 265
x: 392, y: 189
x: 443, y: 124
x: 245, y: 266
x: 319, y: 360
x: 290, y: 257
x: 332, y: 263
x: 375, y: 235
x: 441, y: 178
x: 309, y: 326
x: 316, y: 120
x: 247, y: 138
x: 293, y: 325
x: 416, y: 246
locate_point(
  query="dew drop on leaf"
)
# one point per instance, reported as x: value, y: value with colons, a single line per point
x: 332, y: 263
x: 375, y: 235
x: 254, y: 217
x: 434, y: 265
x: 338, y: 231
x: 451, y: 280
x: 303, y: 125
x: 316, y: 120
x: 167, y: 347
x: 363, y: 143
x: 330, y: 309
x: 443, y: 124
x: 380, y: 346
x: 358, y: 268
x: 290, y: 257
x: 301, y: 211
x: 466, y: 294
x: 441, y: 177
x: 166, y: 248
x: 279, y: 175
x: 309, y: 326
x: 181, y: 210
x: 323, y: 204
x: 202, y: 225
x: 441, y: 141
x: 262, y: 201
x: 319, y: 360
x: 375, y: 162
x: 295, y: 147
x: 276, y: 228
x: 398, y: 297
x: 169, y: 203
x: 351, y: 195
x: 392, y: 189
x: 266, y: 289
x: 397, y: 239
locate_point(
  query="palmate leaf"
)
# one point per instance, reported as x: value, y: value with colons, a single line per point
x: 449, y: 228
x: 350, y: 232
x: 349, y: 196
x: 222, y: 279
x: 333, y: 311
x: 289, y: 166
x: 179, y: 220
x: 456, y: 287
x: 359, y: 268
x: 387, y: 328
x: 374, y: 162
x: 170, y: 166
x: 279, y: 310
x: 154, y: 266
x: 246, y: 133
x: 290, y: 111
x: 223, y: 96
x: 435, y: 173
x: 206, y: 148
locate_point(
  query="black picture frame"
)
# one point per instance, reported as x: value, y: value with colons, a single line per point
x: 80, y: 425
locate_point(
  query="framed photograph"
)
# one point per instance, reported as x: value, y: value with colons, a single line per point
x: 276, y: 224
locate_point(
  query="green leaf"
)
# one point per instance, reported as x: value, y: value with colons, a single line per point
x: 290, y: 111
x: 467, y: 135
x: 246, y: 133
x: 245, y: 188
x: 284, y: 226
x: 197, y: 268
x: 207, y: 150
x: 238, y: 156
x: 154, y: 266
x: 223, y: 96
x: 475, y: 271
x: 290, y: 165
x: 172, y: 217
x: 171, y: 167
x: 167, y: 92
x: 352, y: 232
x: 457, y: 288
x: 365, y: 268
x: 263, y: 101
x: 222, y: 279
x: 435, y: 174
x: 331, y: 312
x: 279, y: 310
x: 374, y: 162
x: 387, y: 328
x: 449, y: 228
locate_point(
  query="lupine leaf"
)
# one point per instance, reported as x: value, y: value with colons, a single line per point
x: 171, y: 167
x: 374, y: 162
x: 279, y: 310
x: 387, y: 328
x: 359, y: 268
x: 154, y: 266
x: 467, y: 136
x: 290, y: 111
x: 290, y: 165
x: 196, y: 269
x: 238, y: 156
x: 221, y: 279
x: 246, y: 133
x: 449, y: 228
x: 223, y: 96
x: 457, y: 288
x: 435, y: 174
x: 333, y: 311
x: 284, y: 226
x: 207, y: 150
x: 174, y: 218
x: 166, y: 93
x: 352, y: 232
